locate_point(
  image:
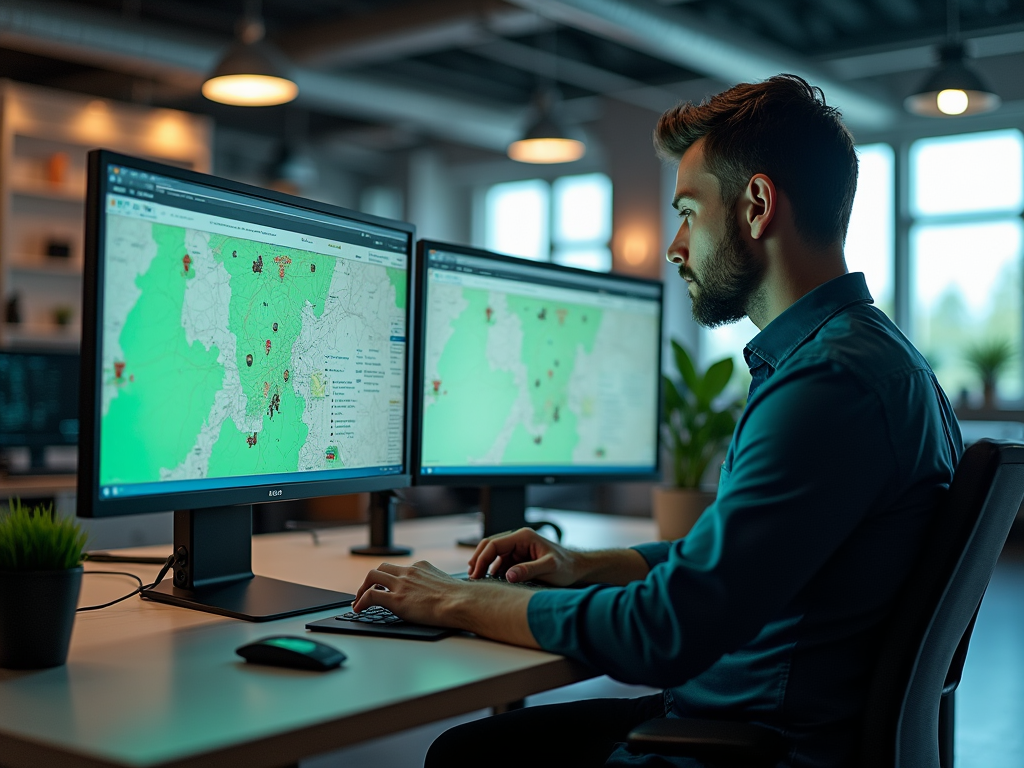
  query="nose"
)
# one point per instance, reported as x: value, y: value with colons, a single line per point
x: 678, y: 252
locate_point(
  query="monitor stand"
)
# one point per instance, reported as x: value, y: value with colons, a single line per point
x: 504, y: 509
x: 213, y: 571
x: 382, y: 519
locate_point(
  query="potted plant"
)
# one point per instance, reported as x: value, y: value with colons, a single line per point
x: 40, y: 577
x: 697, y: 424
x: 989, y: 359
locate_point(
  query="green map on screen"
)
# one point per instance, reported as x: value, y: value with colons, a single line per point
x: 227, y: 357
x: 520, y: 377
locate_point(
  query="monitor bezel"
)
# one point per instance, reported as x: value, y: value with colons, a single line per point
x: 89, y: 503
x: 525, y: 477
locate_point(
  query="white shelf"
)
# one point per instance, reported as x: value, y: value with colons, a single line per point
x: 44, y: 190
x: 54, y: 336
x: 47, y: 265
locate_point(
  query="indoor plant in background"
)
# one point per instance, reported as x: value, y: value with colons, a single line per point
x: 40, y: 577
x: 697, y: 424
x: 989, y: 359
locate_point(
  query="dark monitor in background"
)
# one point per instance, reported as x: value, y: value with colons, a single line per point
x: 239, y: 346
x: 532, y: 373
x: 39, y: 411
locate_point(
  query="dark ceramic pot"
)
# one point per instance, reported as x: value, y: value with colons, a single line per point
x: 37, y: 613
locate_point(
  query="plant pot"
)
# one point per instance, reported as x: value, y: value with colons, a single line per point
x: 37, y: 613
x: 677, y: 509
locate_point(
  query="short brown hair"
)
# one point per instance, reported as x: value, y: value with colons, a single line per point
x: 782, y: 128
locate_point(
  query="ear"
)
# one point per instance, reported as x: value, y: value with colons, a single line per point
x: 761, y: 202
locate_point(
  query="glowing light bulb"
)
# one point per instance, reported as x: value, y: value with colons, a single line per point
x: 952, y: 101
x: 546, y: 150
x: 250, y: 90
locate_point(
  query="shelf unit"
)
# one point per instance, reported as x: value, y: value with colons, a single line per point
x: 45, y: 136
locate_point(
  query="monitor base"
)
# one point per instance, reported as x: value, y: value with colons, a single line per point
x: 254, y: 599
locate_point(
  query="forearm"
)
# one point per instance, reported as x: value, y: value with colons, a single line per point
x: 610, y: 566
x: 495, y: 611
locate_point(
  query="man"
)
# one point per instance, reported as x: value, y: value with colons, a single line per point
x: 769, y: 609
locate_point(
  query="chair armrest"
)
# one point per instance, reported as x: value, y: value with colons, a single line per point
x: 714, y: 741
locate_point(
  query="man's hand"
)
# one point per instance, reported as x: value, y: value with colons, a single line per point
x: 422, y: 594
x: 419, y: 593
x: 525, y: 555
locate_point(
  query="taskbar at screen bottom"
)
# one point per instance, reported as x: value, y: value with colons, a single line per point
x: 547, y: 469
x: 128, y: 490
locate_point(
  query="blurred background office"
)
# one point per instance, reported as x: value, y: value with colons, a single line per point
x: 414, y: 109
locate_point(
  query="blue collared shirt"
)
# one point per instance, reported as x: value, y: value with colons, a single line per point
x: 769, y: 610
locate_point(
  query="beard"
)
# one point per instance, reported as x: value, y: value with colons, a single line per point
x: 727, y: 282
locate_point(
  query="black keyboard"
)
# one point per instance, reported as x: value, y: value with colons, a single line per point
x: 375, y: 614
x: 379, y: 622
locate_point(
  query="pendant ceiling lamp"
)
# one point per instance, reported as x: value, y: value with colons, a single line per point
x: 548, y: 139
x: 253, y: 73
x: 953, y: 89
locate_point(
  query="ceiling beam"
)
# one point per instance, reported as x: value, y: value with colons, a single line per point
x: 412, y: 30
x: 582, y: 75
x: 689, y: 40
x: 108, y: 41
x: 920, y: 54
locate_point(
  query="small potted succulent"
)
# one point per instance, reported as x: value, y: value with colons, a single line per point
x: 697, y: 424
x: 40, y: 578
x: 989, y: 359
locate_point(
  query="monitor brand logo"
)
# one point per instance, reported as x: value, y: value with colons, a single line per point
x: 275, y: 494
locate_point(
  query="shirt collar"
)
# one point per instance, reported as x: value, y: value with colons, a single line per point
x: 807, y: 314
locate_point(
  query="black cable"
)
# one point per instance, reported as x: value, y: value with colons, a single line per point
x: 159, y: 577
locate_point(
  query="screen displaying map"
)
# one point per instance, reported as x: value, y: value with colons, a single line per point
x: 237, y: 353
x: 529, y: 369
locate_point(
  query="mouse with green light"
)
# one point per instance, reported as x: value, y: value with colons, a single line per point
x: 293, y: 652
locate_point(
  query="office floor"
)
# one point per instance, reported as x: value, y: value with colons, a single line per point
x: 990, y: 701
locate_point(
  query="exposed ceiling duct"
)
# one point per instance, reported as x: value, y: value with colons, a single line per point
x: 682, y: 37
x: 108, y: 41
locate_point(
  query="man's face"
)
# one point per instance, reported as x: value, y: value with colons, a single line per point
x: 721, y: 271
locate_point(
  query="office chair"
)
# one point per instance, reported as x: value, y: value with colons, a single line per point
x: 908, y: 719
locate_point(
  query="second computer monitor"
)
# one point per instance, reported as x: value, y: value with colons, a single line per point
x: 534, y: 373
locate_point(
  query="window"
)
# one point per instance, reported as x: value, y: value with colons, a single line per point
x: 966, y: 241
x: 568, y: 221
x: 871, y: 236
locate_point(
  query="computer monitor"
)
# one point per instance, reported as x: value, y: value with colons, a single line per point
x: 238, y: 346
x: 38, y: 410
x: 533, y: 373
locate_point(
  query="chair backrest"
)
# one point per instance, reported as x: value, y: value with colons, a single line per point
x: 935, y: 610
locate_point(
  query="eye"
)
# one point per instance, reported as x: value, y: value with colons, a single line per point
x: 684, y: 213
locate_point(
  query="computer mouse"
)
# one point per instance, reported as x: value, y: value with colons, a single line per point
x: 291, y: 651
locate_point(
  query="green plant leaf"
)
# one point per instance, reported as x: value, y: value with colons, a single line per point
x: 990, y: 357
x: 38, y: 540
x: 716, y: 379
x: 673, y: 400
x: 685, y: 366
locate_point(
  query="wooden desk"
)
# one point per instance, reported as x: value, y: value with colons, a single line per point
x: 148, y: 684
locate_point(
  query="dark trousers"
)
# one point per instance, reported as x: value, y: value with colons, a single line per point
x: 577, y: 733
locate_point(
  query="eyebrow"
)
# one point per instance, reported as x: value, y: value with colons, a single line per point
x: 686, y: 195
